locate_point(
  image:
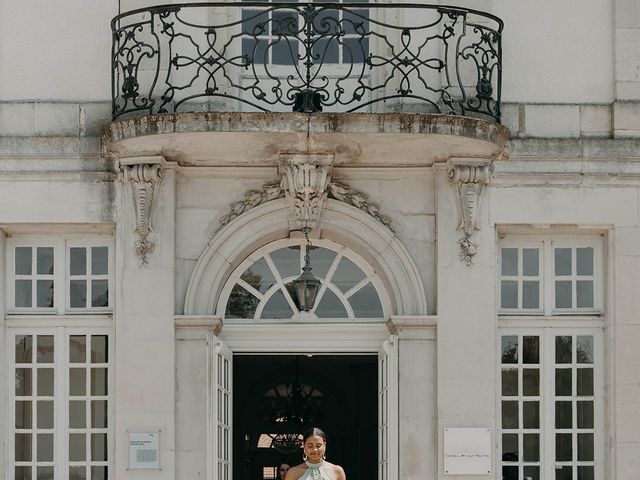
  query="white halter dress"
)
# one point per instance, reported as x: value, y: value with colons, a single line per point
x: 316, y: 471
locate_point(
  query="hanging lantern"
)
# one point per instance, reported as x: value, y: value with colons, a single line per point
x: 306, y: 286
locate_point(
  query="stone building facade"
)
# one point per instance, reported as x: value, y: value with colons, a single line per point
x: 476, y: 313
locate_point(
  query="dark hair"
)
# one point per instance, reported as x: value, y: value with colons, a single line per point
x: 314, y: 432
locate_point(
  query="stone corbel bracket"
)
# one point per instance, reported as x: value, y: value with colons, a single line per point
x: 468, y: 181
x: 304, y: 178
x: 144, y: 174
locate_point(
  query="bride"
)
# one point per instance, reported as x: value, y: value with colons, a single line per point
x: 315, y: 467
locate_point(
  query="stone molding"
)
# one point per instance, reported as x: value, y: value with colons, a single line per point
x: 468, y: 181
x: 143, y: 174
x: 305, y: 183
x: 304, y: 179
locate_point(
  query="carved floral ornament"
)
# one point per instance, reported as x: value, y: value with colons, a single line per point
x: 143, y: 178
x: 305, y: 182
x: 468, y: 182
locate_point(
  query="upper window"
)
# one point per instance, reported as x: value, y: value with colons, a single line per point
x: 59, y: 275
x: 275, y: 36
x: 258, y: 288
x: 550, y: 276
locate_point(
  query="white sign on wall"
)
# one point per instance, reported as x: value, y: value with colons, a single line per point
x: 143, y: 450
x: 467, y: 451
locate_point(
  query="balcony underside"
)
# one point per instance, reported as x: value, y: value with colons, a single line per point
x: 258, y: 139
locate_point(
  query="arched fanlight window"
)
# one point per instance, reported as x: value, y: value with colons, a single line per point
x: 258, y: 288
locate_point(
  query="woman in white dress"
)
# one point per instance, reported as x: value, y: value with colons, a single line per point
x: 315, y: 467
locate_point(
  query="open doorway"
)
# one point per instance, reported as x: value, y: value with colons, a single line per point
x: 277, y: 397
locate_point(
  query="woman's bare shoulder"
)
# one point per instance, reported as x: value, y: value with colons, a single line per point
x: 296, y: 472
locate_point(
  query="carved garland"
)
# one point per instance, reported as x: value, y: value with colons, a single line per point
x: 143, y: 179
x: 468, y: 182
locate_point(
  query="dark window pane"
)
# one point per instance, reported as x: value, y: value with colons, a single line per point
x: 99, y: 348
x: 44, y: 413
x: 531, y: 382
x: 508, y: 294
x: 509, y: 447
x: 45, y: 473
x: 347, y: 275
x: 531, y: 349
x: 510, y: 382
x: 45, y: 293
x: 287, y: 261
x: 44, y: 349
x: 277, y: 307
x: 45, y: 260
x: 585, y: 382
x: 77, y: 473
x: 99, y: 472
x: 241, y: 303
x: 509, y: 472
x: 531, y: 472
x: 531, y: 414
x: 99, y: 293
x: 326, y: 51
x: 563, y: 382
x: 77, y: 381
x: 99, y: 260
x: 563, y: 261
x: 45, y: 382
x: 78, y: 261
x: 584, y: 261
x: 22, y: 447
x: 366, y: 302
x: 321, y: 259
x: 585, y: 472
x: 23, y: 382
x: 564, y: 473
x: 530, y: 294
x: 585, y: 447
x: 77, y: 348
x: 563, y: 415
x: 22, y: 473
x: 99, y: 414
x: 531, y: 447
x: 78, y: 293
x: 259, y: 276
x: 509, y: 415
x: 23, y: 293
x: 99, y: 447
x: 23, y: 348
x: 253, y: 22
x: 509, y: 349
x: 284, y: 51
x: 23, y: 261
x: 99, y: 381
x: 584, y: 294
x: 563, y: 349
x: 564, y: 448
x: 563, y: 294
x: 509, y: 264
x: 44, y: 447
x: 255, y: 51
x: 77, y: 447
x: 356, y: 22
x: 77, y: 414
x: 355, y: 50
x: 330, y: 306
x: 585, y: 414
x: 23, y: 414
x: 584, y: 349
x: 285, y: 23
x: 530, y: 262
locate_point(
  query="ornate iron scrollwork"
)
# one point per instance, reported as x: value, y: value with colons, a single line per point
x: 307, y: 57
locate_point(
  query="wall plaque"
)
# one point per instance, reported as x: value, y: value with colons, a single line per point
x: 143, y: 450
x: 467, y: 451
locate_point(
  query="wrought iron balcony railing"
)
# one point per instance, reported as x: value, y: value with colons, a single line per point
x: 307, y: 57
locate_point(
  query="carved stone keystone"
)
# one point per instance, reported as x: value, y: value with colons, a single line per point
x: 143, y: 177
x: 468, y: 182
x: 304, y: 180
